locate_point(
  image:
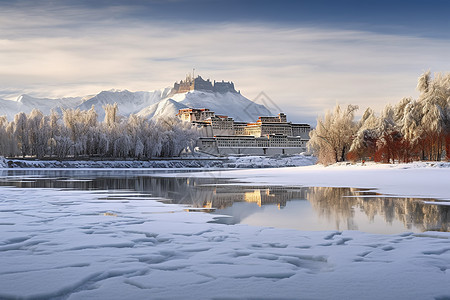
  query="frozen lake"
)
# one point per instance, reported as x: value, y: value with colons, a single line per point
x: 138, y: 234
x: 302, y: 208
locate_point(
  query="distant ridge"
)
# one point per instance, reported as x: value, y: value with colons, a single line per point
x: 220, y: 97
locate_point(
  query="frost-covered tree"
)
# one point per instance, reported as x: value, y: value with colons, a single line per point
x: 78, y: 133
x: 6, y: 139
x: 63, y: 144
x: 410, y: 119
x: 413, y: 129
x: 364, y: 144
x: 111, y: 116
x: 390, y: 137
x: 136, y: 131
x: 178, y: 136
x: 153, y: 141
x: 21, y: 133
x: 186, y: 136
x: 13, y: 149
x: 122, y: 146
x: 333, y: 136
x: 38, y: 132
x: 435, y: 123
x: 54, y: 130
x: 433, y: 128
x: 424, y: 82
x: 79, y: 123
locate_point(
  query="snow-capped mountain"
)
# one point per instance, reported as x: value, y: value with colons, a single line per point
x: 128, y: 102
x: 231, y: 104
x: 147, y: 104
x: 10, y: 108
x: 26, y: 104
x: 46, y: 104
x: 165, y: 107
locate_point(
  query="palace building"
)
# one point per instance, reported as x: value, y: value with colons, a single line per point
x: 267, y: 136
x: 191, y: 114
x: 192, y: 83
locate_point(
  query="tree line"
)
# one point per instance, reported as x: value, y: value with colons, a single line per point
x: 412, y: 129
x: 78, y: 133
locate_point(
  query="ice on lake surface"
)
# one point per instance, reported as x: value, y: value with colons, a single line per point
x: 128, y: 235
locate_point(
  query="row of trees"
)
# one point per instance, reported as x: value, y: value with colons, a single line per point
x: 410, y: 130
x: 78, y: 133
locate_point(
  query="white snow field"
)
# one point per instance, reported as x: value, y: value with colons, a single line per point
x: 66, y: 244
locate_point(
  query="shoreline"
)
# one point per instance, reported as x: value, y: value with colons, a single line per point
x: 207, y: 162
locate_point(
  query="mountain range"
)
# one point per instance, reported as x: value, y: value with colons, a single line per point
x: 148, y: 104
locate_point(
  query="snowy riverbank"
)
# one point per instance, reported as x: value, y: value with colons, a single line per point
x: 230, y: 162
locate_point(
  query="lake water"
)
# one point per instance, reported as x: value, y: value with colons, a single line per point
x: 303, y: 208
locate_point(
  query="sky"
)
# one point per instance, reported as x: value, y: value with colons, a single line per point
x: 306, y: 56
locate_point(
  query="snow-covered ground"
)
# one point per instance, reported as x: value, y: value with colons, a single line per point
x: 69, y: 244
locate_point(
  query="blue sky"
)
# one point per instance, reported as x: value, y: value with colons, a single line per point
x: 427, y: 18
x: 306, y: 55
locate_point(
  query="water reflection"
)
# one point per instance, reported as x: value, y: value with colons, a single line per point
x: 343, y: 204
x: 305, y: 208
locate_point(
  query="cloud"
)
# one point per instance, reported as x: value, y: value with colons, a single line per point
x: 306, y: 70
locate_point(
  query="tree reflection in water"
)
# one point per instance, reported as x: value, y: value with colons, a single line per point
x: 340, y: 204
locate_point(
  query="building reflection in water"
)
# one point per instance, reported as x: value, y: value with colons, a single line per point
x: 340, y: 207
